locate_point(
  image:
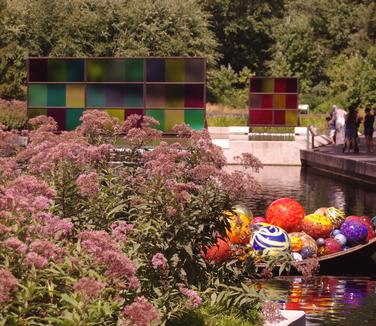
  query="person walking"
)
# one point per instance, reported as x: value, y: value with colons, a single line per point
x: 338, y: 119
x: 369, y: 120
x: 332, y: 126
x: 350, y: 131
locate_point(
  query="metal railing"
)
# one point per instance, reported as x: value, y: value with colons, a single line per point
x: 311, y: 134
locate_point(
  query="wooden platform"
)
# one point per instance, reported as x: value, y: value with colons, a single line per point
x: 359, y: 168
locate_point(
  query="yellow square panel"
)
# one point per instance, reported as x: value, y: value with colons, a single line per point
x: 117, y: 113
x: 291, y: 118
x: 75, y: 96
x: 172, y: 118
x: 267, y: 85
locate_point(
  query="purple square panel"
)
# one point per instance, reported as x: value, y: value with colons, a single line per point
x: 58, y: 114
x: 194, y: 96
x: 115, y: 96
x: 279, y: 117
x: 291, y: 85
x: 255, y: 85
x: 38, y: 70
x: 255, y: 101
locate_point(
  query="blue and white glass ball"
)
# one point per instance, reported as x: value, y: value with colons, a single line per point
x: 335, y: 232
x: 270, y: 240
x: 296, y: 256
x: 341, y: 239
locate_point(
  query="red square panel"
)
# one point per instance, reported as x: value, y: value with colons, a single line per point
x: 280, y: 85
x: 291, y: 101
x: 279, y: 117
x: 260, y: 117
x: 255, y: 101
x: 194, y: 96
x: 267, y: 101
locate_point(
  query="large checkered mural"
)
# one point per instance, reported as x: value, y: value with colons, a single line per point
x: 273, y: 101
x: 171, y: 90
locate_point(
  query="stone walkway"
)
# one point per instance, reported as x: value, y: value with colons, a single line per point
x: 359, y: 167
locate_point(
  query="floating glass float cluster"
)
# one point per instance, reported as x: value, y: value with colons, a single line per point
x: 287, y: 228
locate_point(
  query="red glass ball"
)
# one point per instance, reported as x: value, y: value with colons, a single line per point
x: 285, y: 213
x: 332, y: 246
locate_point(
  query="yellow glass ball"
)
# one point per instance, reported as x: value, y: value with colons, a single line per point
x: 296, y: 244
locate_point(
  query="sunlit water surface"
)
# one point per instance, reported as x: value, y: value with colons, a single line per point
x: 328, y: 300
x: 345, y: 301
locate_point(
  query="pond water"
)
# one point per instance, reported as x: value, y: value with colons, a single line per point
x: 327, y: 300
x: 345, y: 301
x: 311, y: 189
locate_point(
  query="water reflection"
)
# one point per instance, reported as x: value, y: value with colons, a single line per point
x: 312, y: 190
x: 328, y: 300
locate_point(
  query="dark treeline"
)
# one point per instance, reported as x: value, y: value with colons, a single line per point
x: 329, y: 45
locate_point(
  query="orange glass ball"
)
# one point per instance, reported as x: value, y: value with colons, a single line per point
x: 296, y: 244
x: 285, y: 213
x: 219, y: 252
x: 239, y: 232
x: 317, y: 226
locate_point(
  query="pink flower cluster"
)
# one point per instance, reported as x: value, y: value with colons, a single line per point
x: 50, y: 226
x: 107, y: 252
x: 8, y: 284
x: 120, y: 229
x: 88, y: 184
x: 49, y: 156
x: 27, y: 193
x: 48, y: 250
x: 141, y: 313
x: 159, y: 261
x: 33, y: 259
x: 89, y: 287
x: 16, y: 245
x: 194, y: 300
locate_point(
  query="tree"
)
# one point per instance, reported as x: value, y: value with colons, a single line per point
x: 243, y: 29
x: 98, y: 28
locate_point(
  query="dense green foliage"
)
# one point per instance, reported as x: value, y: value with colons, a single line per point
x: 330, y: 46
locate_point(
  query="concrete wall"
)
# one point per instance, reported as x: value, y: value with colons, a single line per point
x: 268, y: 152
x: 234, y: 141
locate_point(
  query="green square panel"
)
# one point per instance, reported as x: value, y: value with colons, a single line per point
x: 56, y: 70
x: 34, y: 112
x: 134, y: 70
x: 73, y: 118
x: 96, y: 96
x: 56, y: 95
x: 75, y: 70
x: 195, y: 118
x: 96, y: 70
x: 134, y: 96
x: 157, y: 115
x: 37, y: 95
x: 115, y: 70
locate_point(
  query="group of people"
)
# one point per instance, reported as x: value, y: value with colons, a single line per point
x: 344, y: 126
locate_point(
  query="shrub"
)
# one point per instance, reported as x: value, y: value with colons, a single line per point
x: 12, y: 114
x: 89, y: 242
